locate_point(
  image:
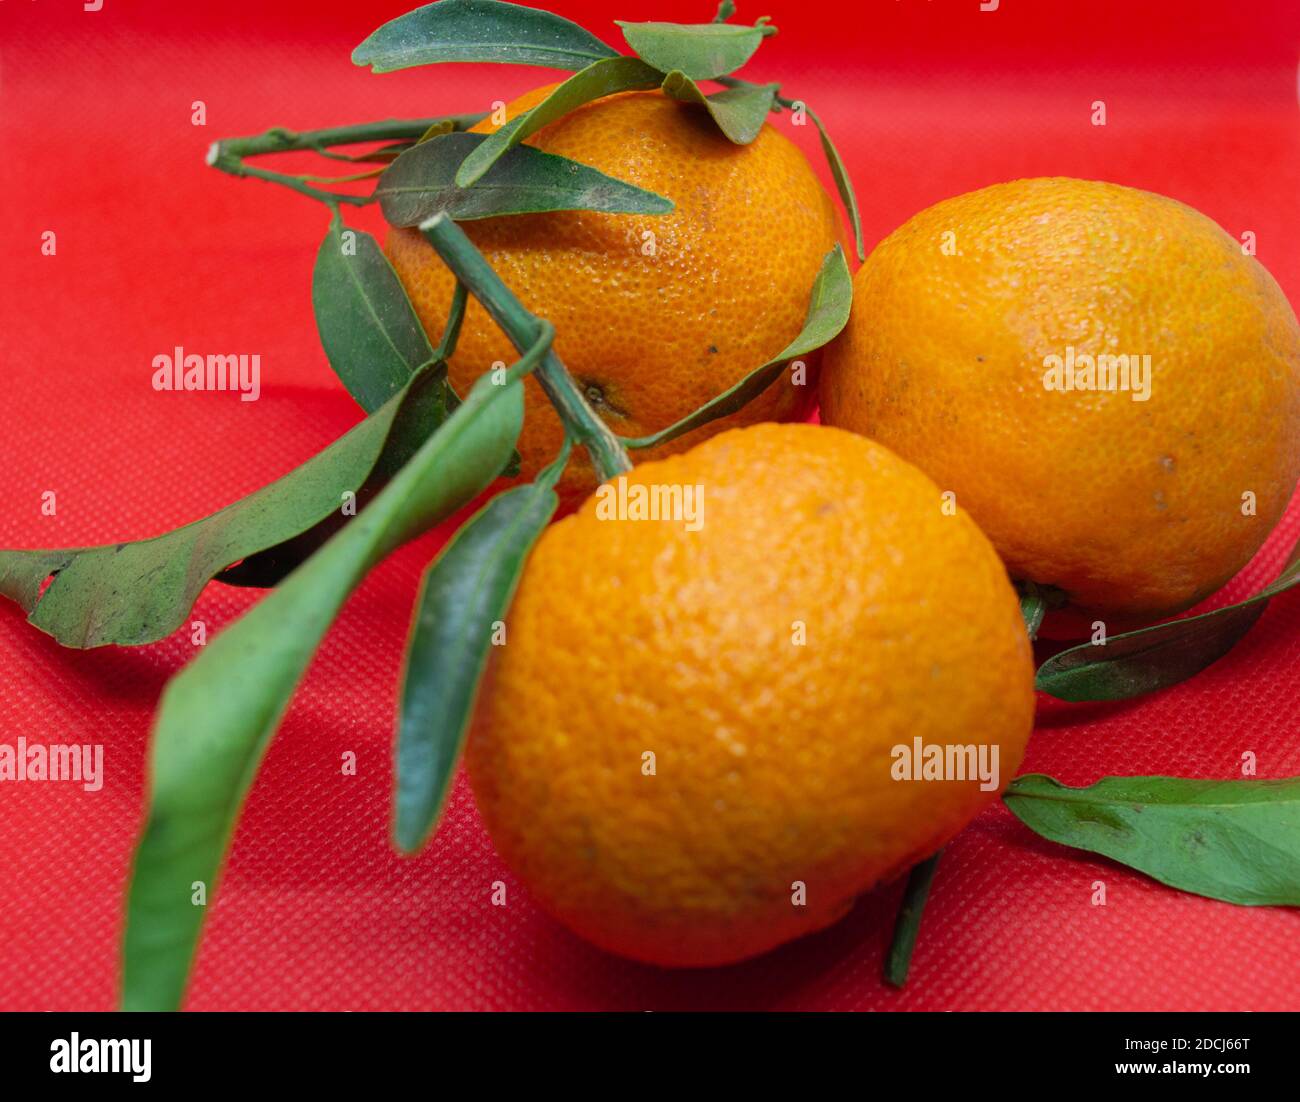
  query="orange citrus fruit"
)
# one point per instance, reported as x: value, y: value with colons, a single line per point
x: 657, y: 313
x: 1101, y: 375
x: 687, y: 747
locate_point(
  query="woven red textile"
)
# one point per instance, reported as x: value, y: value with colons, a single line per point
x: 154, y: 250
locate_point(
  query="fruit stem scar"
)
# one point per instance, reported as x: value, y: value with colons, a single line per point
x: 598, y: 398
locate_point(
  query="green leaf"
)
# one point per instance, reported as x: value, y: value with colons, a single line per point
x: 726, y: 9
x: 368, y: 328
x: 1143, y: 661
x: 703, y: 51
x: 600, y: 78
x: 843, y: 184
x: 139, y: 592
x: 828, y: 311
x: 738, y: 112
x: 907, y: 925
x: 1033, y: 607
x: 1238, y: 841
x: 464, y: 592
x: 218, y: 715
x: 422, y: 183
x: 479, y: 30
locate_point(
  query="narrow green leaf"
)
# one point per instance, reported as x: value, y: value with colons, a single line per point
x: 1238, y: 841
x: 422, y: 183
x: 898, y: 960
x: 1143, y: 661
x: 139, y: 592
x: 828, y: 311
x: 465, y: 591
x: 429, y: 404
x: 599, y: 79
x: 218, y: 715
x: 368, y: 328
x: 703, y: 51
x: 479, y: 30
x: 843, y: 184
x: 738, y: 112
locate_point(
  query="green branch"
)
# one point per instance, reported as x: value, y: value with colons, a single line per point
x: 230, y: 155
x: 583, y: 424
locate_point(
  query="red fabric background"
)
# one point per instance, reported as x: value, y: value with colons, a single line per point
x: 154, y: 250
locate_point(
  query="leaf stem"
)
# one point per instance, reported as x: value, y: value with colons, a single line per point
x: 280, y: 139
x: 899, y: 958
x: 583, y: 424
x: 293, y: 183
x: 451, y: 331
x: 843, y: 183
x: 550, y: 474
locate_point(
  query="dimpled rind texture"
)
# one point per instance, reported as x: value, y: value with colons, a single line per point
x: 771, y: 759
x: 725, y: 289
x: 1134, y: 508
